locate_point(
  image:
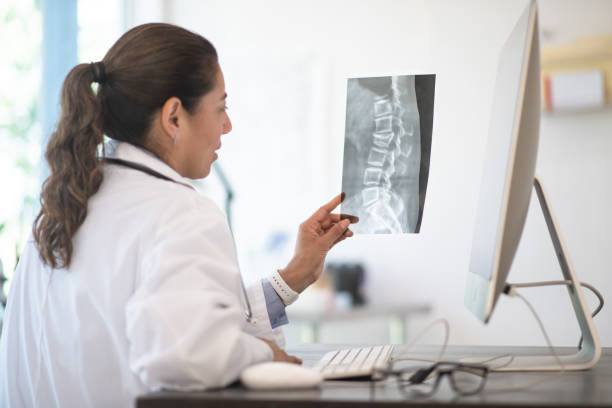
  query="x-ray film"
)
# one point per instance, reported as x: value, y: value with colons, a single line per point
x: 387, y: 147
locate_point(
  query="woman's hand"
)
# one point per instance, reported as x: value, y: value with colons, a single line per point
x: 316, y: 236
x: 279, y: 354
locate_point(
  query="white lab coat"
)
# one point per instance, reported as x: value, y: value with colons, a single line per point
x: 151, y: 301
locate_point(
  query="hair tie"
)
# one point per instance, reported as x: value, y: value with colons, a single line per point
x: 98, y: 71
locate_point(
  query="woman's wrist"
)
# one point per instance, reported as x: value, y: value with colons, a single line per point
x: 286, y: 293
x: 294, y: 276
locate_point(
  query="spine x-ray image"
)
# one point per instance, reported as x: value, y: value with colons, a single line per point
x: 387, y: 146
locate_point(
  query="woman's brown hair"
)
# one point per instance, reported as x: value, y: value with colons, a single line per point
x: 142, y: 70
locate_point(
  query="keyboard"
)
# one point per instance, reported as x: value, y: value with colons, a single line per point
x: 353, y: 362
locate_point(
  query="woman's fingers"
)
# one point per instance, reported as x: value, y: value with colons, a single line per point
x: 294, y: 359
x: 334, y: 218
x: 352, y: 218
x: 324, y: 216
x: 347, y: 234
x: 329, y: 221
x: 280, y: 354
x: 334, y: 233
x: 326, y: 209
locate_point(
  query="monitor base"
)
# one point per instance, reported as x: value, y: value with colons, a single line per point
x: 590, y: 353
x: 582, y: 360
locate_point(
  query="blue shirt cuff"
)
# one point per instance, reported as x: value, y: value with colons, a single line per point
x: 276, y: 309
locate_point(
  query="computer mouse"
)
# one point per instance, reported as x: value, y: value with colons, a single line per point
x: 279, y: 375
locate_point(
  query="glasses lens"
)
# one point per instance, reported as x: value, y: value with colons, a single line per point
x: 468, y: 380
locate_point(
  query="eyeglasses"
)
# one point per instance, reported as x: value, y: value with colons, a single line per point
x: 465, y: 379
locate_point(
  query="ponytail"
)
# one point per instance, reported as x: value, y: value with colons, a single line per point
x: 145, y: 67
x: 76, y: 171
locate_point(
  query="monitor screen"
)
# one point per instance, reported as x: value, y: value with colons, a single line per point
x: 509, y: 166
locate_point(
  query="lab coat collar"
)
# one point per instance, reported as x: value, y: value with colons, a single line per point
x: 135, y: 154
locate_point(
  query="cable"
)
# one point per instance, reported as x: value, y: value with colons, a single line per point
x: 510, y: 357
x: 446, y: 325
x: 597, y: 309
x: 537, y: 317
x: 420, y: 334
x: 483, y: 362
x: 509, y: 287
x: 510, y: 291
x: 506, y: 364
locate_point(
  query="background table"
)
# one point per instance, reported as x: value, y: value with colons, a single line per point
x: 397, y: 317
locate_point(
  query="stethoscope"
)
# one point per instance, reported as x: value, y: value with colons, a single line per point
x: 136, y: 166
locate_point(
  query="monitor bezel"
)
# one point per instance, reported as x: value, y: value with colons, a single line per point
x: 481, y: 294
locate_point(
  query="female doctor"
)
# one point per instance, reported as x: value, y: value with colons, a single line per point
x: 130, y: 281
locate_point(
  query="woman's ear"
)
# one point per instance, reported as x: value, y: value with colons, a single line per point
x: 169, y: 117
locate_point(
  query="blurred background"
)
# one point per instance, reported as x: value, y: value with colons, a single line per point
x: 286, y: 65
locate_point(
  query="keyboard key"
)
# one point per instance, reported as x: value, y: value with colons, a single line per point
x: 341, y: 355
x: 373, y: 356
x: 325, y: 360
x: 359, y: 359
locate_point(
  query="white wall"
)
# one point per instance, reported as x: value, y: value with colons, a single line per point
x: 286, y: 64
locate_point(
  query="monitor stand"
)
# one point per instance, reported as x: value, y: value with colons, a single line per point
x: 590, y: 352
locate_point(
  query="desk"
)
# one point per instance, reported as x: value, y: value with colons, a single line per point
x: 572, y: 389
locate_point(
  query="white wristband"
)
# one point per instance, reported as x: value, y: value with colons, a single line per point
x: 287, y: 295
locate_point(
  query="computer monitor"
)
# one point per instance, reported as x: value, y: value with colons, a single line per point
x: 505, y: 192
x: 509, y: 168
